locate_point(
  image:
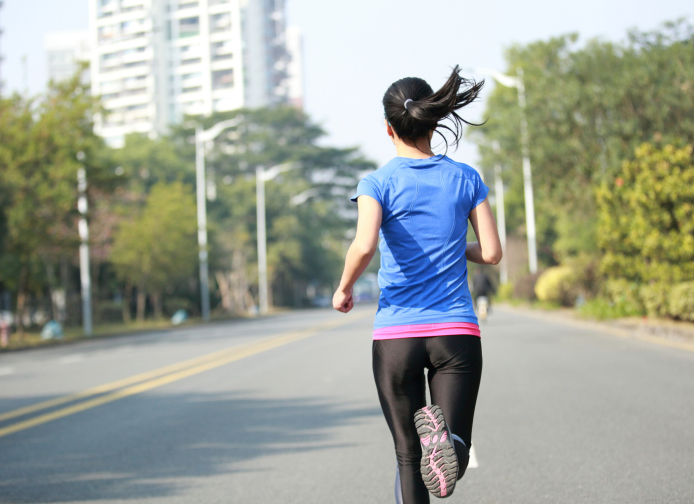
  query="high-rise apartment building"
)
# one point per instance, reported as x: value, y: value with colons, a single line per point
x: 155, y: 61
x: 65, y: 51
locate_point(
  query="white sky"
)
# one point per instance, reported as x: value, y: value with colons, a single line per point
x: 354, y: 50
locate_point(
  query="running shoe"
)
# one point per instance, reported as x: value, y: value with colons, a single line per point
x: 439, y: 460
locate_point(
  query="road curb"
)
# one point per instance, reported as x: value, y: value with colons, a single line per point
x: 635, y: 332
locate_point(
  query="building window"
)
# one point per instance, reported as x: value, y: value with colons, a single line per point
x: 192, y: 61
x: 193, y: 89
x: 106, y: 32
x: 189, y: 27
x: 222, y: 79
x: 220, y: 22
x: 221, y: 50
x: 187, y: 5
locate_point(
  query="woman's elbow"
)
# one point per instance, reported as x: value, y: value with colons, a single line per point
x: 494, y: 258
x: 365, y: 249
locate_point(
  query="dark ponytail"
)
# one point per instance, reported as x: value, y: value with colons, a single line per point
x: 413, y: 109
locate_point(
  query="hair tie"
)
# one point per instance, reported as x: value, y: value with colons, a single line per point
x: 407, y: 101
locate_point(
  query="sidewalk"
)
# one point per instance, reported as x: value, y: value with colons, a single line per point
x: 659, y: 331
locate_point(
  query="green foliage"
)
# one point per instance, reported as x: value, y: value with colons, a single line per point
x: 654, y: 297
x: 505, y: 292
x: 39, y: 142
x: 646, y: 226
x: 305, y: 241
x: 144, y: 161
x: 588, y: 108
x: 557, y: 285
x: 620, y: 291
x: 601, y: 308
x: 681, y: 302
x: 158, y: 247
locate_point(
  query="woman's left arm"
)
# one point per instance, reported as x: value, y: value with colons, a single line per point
x: 360, y: 252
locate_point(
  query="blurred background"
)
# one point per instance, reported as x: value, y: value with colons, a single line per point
x: 162, y: 160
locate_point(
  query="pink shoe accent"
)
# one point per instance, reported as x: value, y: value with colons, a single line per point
x: 425, y: 441
x: 438, y: 471
x: 443, y: 437
x: 431, y: 417
x: 436, y: 438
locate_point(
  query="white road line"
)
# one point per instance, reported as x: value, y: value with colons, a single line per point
x: 71, y: 359
x: 4, y: 371
x: 473, y: 459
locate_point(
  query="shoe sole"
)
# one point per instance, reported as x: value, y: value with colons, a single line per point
x: 439, y: 460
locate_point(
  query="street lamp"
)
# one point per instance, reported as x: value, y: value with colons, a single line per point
x: 261, y: 176
x: 517, y: 82
x: 201, y: 137
x: 83, y: 229
x: 500, y: 215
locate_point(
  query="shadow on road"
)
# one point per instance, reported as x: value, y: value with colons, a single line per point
x: 153, y: 446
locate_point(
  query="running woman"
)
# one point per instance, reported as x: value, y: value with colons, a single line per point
x: 419, y: 204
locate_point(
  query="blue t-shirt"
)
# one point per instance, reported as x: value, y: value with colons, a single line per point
x: 426, y: 204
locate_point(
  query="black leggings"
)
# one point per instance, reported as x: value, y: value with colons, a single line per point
x: 454, y: 365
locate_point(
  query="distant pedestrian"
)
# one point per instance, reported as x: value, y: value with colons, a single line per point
x: 482, y: 286
x: 419, y: 204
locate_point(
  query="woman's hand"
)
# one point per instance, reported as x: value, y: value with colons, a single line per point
x: 343, y: 300
x: 360, y: 251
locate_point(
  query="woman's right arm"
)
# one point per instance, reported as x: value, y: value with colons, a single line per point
x: 487, y: 249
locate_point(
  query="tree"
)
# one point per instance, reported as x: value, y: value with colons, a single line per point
x: 158, y: 247
x: 588, y: 109
x: 305, y: 241
x: 39, y: 142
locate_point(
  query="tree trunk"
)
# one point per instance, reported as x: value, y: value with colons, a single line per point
x: 225, y: 291
x: 67, y: 288
x: 156, y: 302
x: 141, y: 302
x: 127, y: 301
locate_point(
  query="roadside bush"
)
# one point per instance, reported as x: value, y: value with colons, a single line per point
x: 646, y: 217
x: 681, y: 301
x: 654, y: 298
x: 505, y: 292
x: 602, y: 308
x: 623, y: 292
x: 558, y: 285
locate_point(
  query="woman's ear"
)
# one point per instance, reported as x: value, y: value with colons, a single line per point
x: 389, y: 129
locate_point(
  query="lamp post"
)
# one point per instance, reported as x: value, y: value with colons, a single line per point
x: 201, y: 137
x: 517, y: 82
x: 83, y: 228
x: 500, y: 216
x: 261, y: 176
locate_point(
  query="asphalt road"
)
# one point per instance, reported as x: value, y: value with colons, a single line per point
x: 283, y: 410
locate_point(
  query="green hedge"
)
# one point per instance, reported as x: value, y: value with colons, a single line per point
x: 681, y: 301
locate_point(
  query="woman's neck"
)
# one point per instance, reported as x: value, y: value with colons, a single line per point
x: 421, y: 149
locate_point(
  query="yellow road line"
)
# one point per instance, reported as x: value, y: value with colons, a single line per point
x: 157, y: 378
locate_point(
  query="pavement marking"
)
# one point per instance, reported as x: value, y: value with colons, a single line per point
x: 473, y: 464
x: 4, y: 371
x: 108, y: 387
x: 157, y: 378
x: 71, y: 359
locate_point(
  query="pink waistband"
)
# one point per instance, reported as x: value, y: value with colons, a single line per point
x: 425, y: 330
